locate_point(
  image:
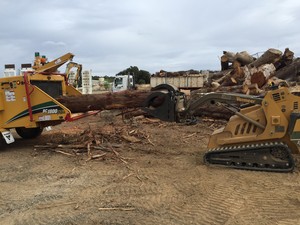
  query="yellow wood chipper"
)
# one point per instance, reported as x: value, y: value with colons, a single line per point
x: 27, y: 101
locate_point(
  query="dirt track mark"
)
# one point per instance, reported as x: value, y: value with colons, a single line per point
x: 162, y: 184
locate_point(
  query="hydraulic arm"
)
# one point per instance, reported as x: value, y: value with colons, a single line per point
x: 262, y: 134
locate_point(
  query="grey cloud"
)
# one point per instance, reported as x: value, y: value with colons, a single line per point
x: 109, y: 36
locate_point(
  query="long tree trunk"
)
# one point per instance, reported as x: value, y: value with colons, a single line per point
x: 244, y: 58
x: 213, y: 111
x: 118, y: 100
x: 270, y: 56
x: 290, y: 72
x: 251, y: 89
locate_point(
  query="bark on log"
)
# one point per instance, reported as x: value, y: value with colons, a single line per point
x: 224, y: 63
x: 285, y: 60
x: 232, y: 77
x: 251, y: 89
x: 226, y: 58
x: 236, y: 76
x: 258, y: 78
x: 244, y: 58
x: 118, y: 100
x: 163, y: 73
x: 270, y: 56
x: 245, y: 89
x: 217, y: 75
x: 290, y: 72
x: 259, y: 75
x: 226, y: 76
x: 214, y: 85
x: 229, y: 56
x: 213, y: 111
x: 219, y: 112
x: 230, y: 89
x: 128, y: 99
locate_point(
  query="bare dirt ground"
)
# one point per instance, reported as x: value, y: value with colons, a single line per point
x: 140, y: 172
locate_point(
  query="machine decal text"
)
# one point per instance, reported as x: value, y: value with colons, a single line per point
x: 50, y: 111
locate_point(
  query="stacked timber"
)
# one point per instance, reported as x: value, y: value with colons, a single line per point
x: 163, y: 73
x: 244, y: 73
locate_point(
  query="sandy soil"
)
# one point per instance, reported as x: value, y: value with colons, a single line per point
x: 140, y: 173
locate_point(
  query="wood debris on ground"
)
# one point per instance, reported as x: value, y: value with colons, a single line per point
x: 97, y: 142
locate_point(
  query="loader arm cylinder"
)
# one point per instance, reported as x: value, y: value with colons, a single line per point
x: 248, y: 119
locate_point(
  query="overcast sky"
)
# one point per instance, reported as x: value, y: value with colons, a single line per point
x: 108, y: 36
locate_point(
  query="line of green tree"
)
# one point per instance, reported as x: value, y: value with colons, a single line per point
x: 140, y: 76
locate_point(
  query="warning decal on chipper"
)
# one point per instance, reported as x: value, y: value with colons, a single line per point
x: 8, y: 137
x: 10, y: 96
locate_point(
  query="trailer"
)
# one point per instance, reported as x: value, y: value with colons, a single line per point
x: 187, y: 82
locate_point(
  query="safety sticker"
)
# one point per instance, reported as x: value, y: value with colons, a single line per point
x: 10, y: 96
x: 8, y: 137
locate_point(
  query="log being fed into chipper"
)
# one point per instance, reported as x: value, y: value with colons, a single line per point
x: 42, y: 97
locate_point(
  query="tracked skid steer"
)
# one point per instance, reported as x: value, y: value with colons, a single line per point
x: 263, y: 134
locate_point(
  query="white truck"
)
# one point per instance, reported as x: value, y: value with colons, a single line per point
x: 122, y: 83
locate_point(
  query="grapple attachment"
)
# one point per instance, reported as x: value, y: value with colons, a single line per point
x: 165, y: 102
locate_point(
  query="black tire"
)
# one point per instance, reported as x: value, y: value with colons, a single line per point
x: 29, y: 133
x: 2, y: 141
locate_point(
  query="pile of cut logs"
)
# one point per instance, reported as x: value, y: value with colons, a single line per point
x: 243, y: 73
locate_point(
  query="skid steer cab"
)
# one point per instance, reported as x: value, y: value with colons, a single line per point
x: 27, y: 101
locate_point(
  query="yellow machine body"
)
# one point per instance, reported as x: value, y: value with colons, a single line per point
x: 278, y: 115
x: 28, y: 100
